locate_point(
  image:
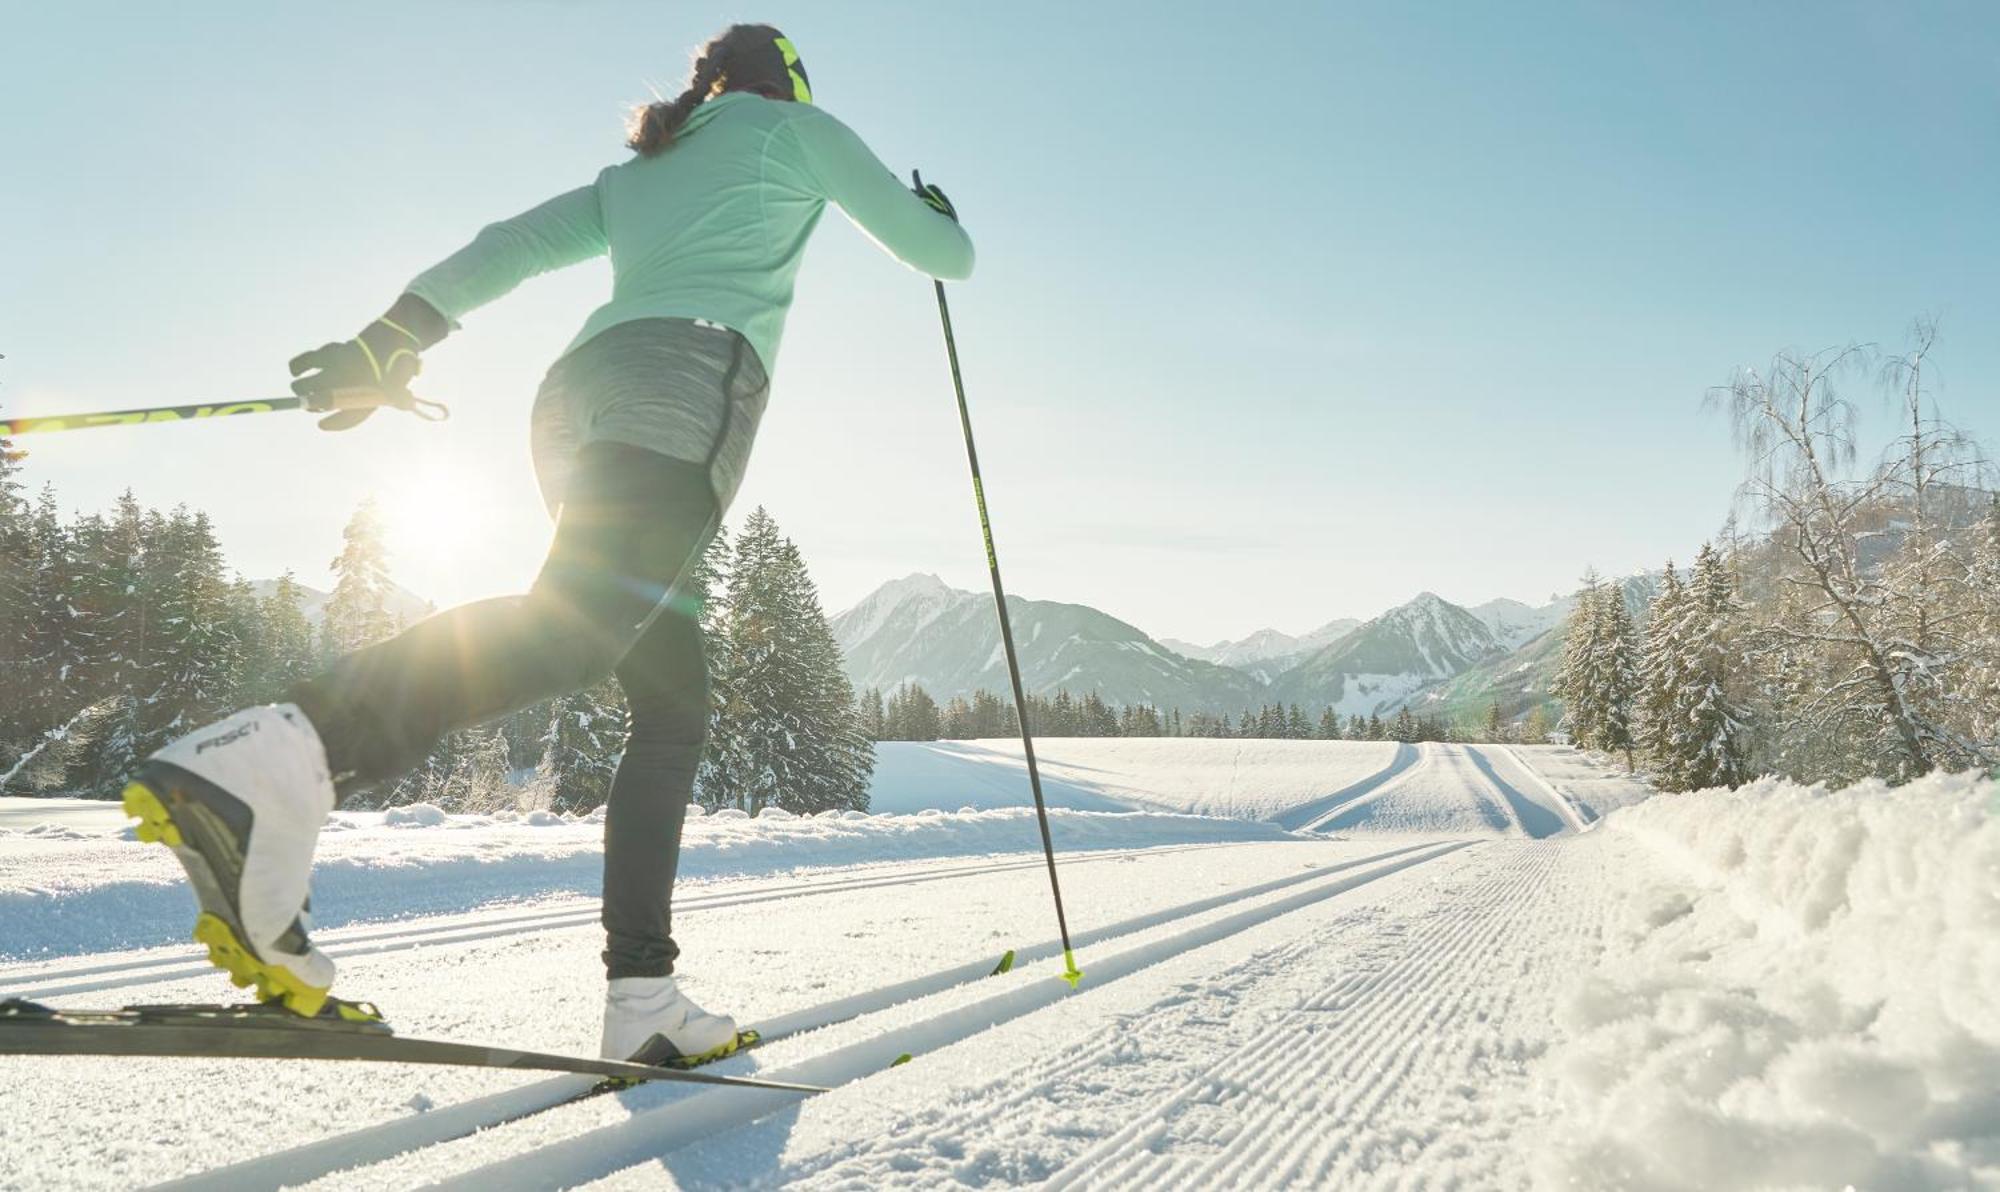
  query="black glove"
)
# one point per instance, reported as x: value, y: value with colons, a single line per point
x: 374, y: 369
x: 932, y: 195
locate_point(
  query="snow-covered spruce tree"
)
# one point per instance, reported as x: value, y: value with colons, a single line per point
x: 1599, y: 676
x: 1619, y: 672
x: 873, y: 716
x: 1329, y: 725
x: 122, y: 602
x: 14, y: 624
x: 195, y: 644
x: 992, y: 716
x: 54, y: 632
x: 581, y: 742
x: 792, y: 737
x: 290, y: 649
x: 1661, y: 734
x: 1576, y: 683
x: 357, y: 614
x: 1712, y: 704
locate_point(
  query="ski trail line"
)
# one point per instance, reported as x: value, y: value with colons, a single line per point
x: 1534, y: 818
x: 645, y: 1136
x: 1399, y: 1067
x: 1399, y: 773
x: 379, y: 1143
x: 1568, y: 805
x: 1301, y: 817
x: 465, y: 928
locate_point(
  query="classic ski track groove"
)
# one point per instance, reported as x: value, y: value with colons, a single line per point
x: 381, y: 1143
x: 1568, y: 805
x: 472, y: 927
x: 658, y: 1130
x: 1305, y: 817
x: 1397, y: 779
x: 1249, y: 1107
x: 1472, y: 769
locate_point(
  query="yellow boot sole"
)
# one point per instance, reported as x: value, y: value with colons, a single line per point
x: 226, y: 950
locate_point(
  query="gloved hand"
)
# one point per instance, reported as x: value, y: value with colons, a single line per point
x: 374, y: 369
x: 932, y: 195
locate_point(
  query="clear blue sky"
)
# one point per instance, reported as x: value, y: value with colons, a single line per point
x: 1284, y: 312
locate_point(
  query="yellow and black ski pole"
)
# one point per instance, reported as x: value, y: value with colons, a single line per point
x: 1071, y: 973
x: 24, y: 426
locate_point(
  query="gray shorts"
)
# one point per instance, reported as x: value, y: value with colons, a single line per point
x: 686, y: 388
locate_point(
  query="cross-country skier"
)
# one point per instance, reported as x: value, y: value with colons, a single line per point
x: 640, y: 434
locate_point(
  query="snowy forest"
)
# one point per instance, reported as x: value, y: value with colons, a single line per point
x: 120, y: 631
x: 910, y: 713
x: 1857, y: 637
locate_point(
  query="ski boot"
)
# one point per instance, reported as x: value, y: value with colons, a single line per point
x: 241, y: 803
x: 648, y: 1020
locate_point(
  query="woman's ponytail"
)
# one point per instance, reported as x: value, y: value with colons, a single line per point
x: 741, y: 58
x: 653, y: 126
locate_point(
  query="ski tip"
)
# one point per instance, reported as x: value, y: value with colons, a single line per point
x: 900, y: 1060
x: 1006, y: 964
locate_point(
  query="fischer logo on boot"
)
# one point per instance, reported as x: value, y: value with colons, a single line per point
x: 231, y: 737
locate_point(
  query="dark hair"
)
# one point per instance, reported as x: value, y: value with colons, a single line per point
x: 740, y: 58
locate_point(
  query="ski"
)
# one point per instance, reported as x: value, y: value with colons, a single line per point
x: 273, y: 1032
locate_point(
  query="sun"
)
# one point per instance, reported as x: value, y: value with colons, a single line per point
x: 437, y: 521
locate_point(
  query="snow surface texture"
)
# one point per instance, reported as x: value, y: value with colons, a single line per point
x: 1257, y: 780
x: 65, y: 890
x: 1776, y: 987
x: 1809, y: 997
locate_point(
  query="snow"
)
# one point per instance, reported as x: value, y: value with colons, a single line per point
x: 1245, y: 779
x: 1528, y: 974
x: 65, y: 891
x: 1810, y: 998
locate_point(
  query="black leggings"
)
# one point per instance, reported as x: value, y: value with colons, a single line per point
x: 633, y: 523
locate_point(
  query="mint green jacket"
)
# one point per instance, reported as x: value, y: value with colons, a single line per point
x: 712, y: 228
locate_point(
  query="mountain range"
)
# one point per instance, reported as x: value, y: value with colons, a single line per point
x: 921, y: 630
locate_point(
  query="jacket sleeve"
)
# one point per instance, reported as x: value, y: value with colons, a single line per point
x: 847, y: 172
x: 563, y: 231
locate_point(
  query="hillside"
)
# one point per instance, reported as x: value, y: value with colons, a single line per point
x: 919, y: 629
x: 1380, y: 665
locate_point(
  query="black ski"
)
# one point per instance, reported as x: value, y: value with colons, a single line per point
x: 272, y: 1032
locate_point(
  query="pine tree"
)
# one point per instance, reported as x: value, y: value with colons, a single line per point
x: 1576, y: 682
x: 1329, y: 725
x: 1662, y: 732
x: 1405, y: 728
x: 955, y: 724
x: 873, y: 721
x: 579, y: 748
x: 791, y: 736
x: 1375, y: 731
x: 1716, y: 724
x: 358, y: 612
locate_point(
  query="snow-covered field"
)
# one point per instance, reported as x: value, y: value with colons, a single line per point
x: 1473, y: 971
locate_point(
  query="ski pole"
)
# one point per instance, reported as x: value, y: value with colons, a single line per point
x: 429, y: 411
x: 1071, y: 973
x: 268, y: 405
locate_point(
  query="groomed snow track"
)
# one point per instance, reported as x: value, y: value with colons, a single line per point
x: 40, y: 980
x: 676, y: 1121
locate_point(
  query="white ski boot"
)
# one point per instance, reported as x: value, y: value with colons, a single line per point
x: 648, y: 1020
x: 241, y: 803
